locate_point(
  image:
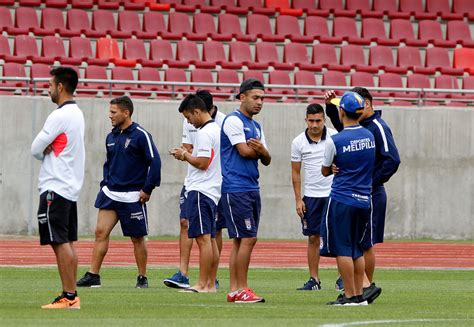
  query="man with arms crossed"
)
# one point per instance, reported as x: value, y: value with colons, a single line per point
x: 353, y: 152
x: 60, y: 147
x: 242, y: 145
x: 131, y: 172
x: 180, y: 279
x: 202, y: 188
x: 308, y: 148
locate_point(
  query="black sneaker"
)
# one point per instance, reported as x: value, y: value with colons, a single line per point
x: 89, y: 280
x: 142, y: 282
x: 311, y: 285
x: 371, y: 293
x: 342, y: 300
x: 339, y: 284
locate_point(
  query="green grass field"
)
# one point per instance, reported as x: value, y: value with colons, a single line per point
x: 409, y: 298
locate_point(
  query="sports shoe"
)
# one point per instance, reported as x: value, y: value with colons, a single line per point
x: 178, y: 280
x: 248, y: 296
x: 342, y: 300
x: 62, y: 302
x: 339, y: 284
x: 371, y: 293
x: 311, y: 285
x: 231, y: 296
x: 217, y: 284
x: 89, y: 280
x: 142, y: 282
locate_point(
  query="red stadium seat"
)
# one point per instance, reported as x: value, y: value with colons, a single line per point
x: 203, y: 6
x: 336, y: 7
x: 317, y: 28
x: 179, y: 26
x: 304, y: 77
x: 239, y: 53
x: 438, y: 58
x: 283, y: 7
x: 310, y: 7
x: 366, y: 80
x: 430, y: 30
x: 154, y: 24
x: 78, y: 21
x: 52, y: 19
x: 389, y: 8
x: 227, y: 76
x: 95, y: 72
x: 415, y: 8
x: 202, y: 76
x: 103, y: 23
x: 333, y: 78
x: 382, y: 57
x: 154, y: 6
x: 277, y: 77
x: 82, y: 4
x: 468, y: 84
x: 125, y: 74
x: 417, y: 81
x: 345, y: 28
x: 53, y: 47
x: 150, y: 75
x: 6, y: 23
x: 29, y: 3
x: 259, y: 26
x: 189, y: 5
x: 442, y: 8
x: 187, y: 51
x: 11, y: 69
x: 135, y: 49
x: 129, y: 22
x: 353, y: 56
x: 55, y: 3
x: 6, y: 54
x: 40, y: 71
x: 373, y: 29
x: 362, y: 7
x: 449, y: 83
x: 230, y: 7
x: 289, y: 27
x: 213, y: 52
x: 80, y: 48
x: 464, y: 58
x: 257, y: 74
x: 459, y: 32
x: 464, y: 7
x: 391, y: 80
x: 176, y: 75
x: 133, y: 5
x: 25, y: 46
x: 266, y: 53
x: 26, y: 18
x: 203, y: 24
x: 230, y: 24
x: 108, y: 4
x: 161, y: 51
x: 257, y: 7
x: 325, y: 55
x: 10, y: 3
x: 296, y: 54
x: 402, y: 30
x: 107, y: 48
x: 410, y: 58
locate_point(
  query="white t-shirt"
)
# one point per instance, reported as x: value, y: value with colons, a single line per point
x: 207, y: 144
x: 62, y: 171
x: 311, y: 155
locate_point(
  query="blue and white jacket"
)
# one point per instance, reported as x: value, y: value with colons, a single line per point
x: 133, y: 162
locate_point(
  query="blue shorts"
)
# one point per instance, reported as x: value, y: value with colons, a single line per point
x: 201, y: 213
x: 242, y: 213
x: 342, y: 230
x: 376, y: 219
x: 220, y: 220
x: 133, y: 216
x: 311, y: 222
x: 182, y: 204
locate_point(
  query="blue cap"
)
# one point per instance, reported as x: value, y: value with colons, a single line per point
x: 350, y: 102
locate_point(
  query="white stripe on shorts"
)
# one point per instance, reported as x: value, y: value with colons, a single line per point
x: 145, y: 217
x: 232, y: 217
x: 327, y: 225
x: 49, y: 225
x: 200, y: 217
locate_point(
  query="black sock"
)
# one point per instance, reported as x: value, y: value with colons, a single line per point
x: 70, y: 296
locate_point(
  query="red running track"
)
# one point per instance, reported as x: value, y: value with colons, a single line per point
x: 274, y: 254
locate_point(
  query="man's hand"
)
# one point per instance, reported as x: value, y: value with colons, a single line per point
x: 257, y: 146
x: 178, y: 153
x: 329, y: 95
x: 144, y: 197
x: 335, y: 169
x: 300, y: 208
x: 48, y: 149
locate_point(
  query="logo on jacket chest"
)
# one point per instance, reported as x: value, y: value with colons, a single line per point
x: 127, y: 142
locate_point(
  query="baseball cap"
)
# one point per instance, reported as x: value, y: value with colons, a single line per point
x: 350, y: 102
x: 250, y: 84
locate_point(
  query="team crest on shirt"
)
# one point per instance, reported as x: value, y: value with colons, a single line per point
x: 248, y: 224
x: 258, y: 133
x: 127, y: 142
x: 321, y: 243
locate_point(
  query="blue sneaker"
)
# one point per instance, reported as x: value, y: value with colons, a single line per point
x: 311, y: 285
x: 178, y: 280
x: 339, y: 285
x: 217, y: 284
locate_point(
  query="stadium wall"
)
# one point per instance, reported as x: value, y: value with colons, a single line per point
x: 431, y: 196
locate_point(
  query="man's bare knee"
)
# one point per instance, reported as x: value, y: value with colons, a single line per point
x: 184, y: 224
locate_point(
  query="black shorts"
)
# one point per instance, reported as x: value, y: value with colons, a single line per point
x: 57, y: 219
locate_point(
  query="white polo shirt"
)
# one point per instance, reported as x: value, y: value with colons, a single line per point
x: 206, y: 144
x: 311, y: 155
x: 62, y: 171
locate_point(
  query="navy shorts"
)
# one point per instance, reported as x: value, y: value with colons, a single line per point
x: 342, y: 230
x: 220, y: 219
x: 182, y: 204
x: 242, y: 213
x: 133, y: 216
x: 201, y: 213
x: 376, y: 219
x: 311, y: 222
x: 57, y: 219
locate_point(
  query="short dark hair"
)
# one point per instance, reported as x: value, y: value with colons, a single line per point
x: 124, y: 103
x: 314, y: 108
x: 206, y: 96
x: 67, y: 76
x: 352, y: 115
x: 191, y: 102
x: 363, y: 92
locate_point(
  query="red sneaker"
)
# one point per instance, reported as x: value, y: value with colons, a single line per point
x: 231, y: 296
x: 248, y: 296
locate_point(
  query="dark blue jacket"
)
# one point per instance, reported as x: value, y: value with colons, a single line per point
x: 387, y: 158
x: 133, y: 162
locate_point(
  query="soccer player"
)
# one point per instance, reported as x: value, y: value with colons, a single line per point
x: 132, y: 170
x: 202, y: 188
x: 387, y: 161
x: 60, y: 147
x: 353, y: 152
x: 307, y: 149
x: 180, y: 279
x: 242, y: 146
